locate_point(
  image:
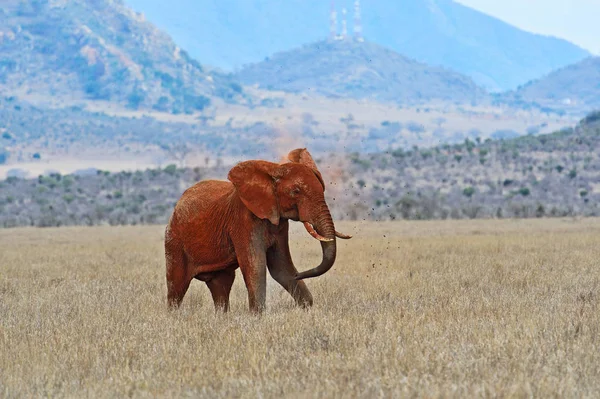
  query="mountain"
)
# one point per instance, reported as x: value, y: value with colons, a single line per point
x: 101, y: 50
x: 574, y: 86
x: 231, y: 33
x: 360, y: 70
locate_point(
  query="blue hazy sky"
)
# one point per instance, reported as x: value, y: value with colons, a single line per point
x: 574, y: 20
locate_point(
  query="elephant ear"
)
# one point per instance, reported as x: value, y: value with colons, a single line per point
x: 302, y: 156
x: 255, y: 185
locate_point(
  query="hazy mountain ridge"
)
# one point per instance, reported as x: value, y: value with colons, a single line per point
x: 361, y: 70
x: 100, y: 49
x: 574, y: 86
x: 498, y: 56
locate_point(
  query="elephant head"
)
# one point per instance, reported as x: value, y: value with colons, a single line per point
x: 292, y: 190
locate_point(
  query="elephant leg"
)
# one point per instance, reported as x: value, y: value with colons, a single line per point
x: 254, y: 269
x: 282, y: 269
x: 178, y: 279
x: 220, y: 287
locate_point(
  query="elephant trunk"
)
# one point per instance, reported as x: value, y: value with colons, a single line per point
x: 325, y: 232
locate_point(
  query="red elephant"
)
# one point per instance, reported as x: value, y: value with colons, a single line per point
x: 218, y: 226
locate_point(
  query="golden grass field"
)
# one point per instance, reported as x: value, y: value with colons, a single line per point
x: 419, y: 309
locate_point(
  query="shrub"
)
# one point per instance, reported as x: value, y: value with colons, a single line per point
x: 135, y: 99
x: 591, y: 118
x: 68, y: 198
x: 236, y: 87
x: 469, y: 191
x: 398, y: 153
x: 415, y: 127
x: 195, y: 103
x: 171, y: 169
x: 524, y: 191
x: 540, y: 211
x: 162, y: 104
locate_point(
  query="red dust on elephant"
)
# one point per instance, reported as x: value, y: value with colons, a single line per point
x: 218, y: 226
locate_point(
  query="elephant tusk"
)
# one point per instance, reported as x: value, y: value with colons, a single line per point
x: 311, y: 230
x: 342, y: 236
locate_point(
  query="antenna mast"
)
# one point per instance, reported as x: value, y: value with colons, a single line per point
x: 358, y: 29
x: 333, y: 22
x: 344, y: 25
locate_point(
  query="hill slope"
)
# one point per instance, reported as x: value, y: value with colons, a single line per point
x: 556, y: 174
x: 34, y: 139
x: 577, y: 85
x: 359, y: 70
x: 100, y: 50
x: 230, y: 33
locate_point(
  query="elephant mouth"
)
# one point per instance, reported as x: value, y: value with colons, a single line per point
x: 311, y: 230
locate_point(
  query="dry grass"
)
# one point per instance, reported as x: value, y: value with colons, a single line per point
x: 483, y: 308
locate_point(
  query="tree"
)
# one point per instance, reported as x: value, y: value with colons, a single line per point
x: 136, y: 98
x: 178, y: 151
x: 439, y: 121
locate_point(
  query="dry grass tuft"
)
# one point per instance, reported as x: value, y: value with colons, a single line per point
x: 482, y: 308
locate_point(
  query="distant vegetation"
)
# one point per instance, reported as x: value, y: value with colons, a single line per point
x: 32, y: 133
x: 143, y: 197
x: 531, y: 176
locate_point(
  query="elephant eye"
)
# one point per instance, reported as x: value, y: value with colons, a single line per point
x: 296, y: 190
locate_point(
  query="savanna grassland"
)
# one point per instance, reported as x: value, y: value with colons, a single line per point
x: 452, y: 308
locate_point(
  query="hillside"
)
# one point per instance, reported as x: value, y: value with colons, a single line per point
x: 555, y: 174
x: 101, y: 50
x: 37, y: 138
x: 359, y: 70
x: 533, y: 176
x: 574, y: 86
x: 231, y: 33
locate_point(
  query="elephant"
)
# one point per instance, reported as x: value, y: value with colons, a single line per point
x: 218, y: 226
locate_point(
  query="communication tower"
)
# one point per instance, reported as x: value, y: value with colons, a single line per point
x: 333, y: 22
x: 358, y: 30
x: 344, y: 34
